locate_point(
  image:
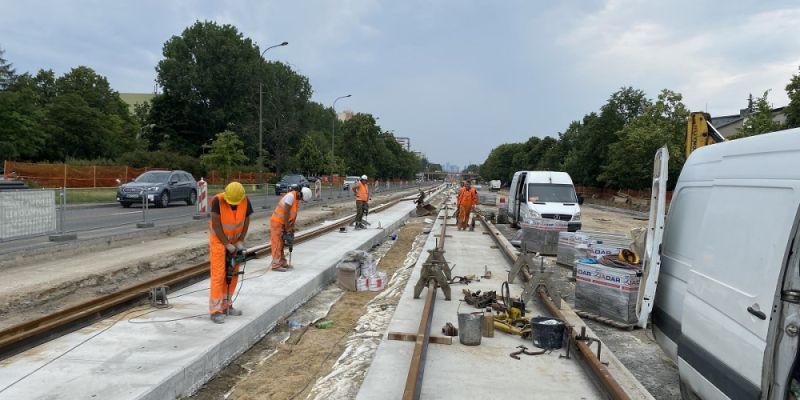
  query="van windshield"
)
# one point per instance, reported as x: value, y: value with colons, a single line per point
x: 551, y: 193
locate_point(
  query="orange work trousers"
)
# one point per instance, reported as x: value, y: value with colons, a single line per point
x: 221, y: 292
x: 276, y: 240
x: 462, y: 220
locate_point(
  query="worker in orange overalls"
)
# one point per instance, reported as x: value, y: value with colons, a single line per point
x: 230, y: 218
x: 467, y: 199
x: 281, y: 226
x: 362, y: 198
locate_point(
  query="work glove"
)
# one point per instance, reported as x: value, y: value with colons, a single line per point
x: 231, y: 248
x: 240, y: 246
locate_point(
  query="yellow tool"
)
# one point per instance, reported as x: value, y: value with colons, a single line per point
x: 512, y: 322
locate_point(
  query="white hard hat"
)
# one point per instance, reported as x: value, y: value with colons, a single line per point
x: 363, y: 177
x: 306, y: 193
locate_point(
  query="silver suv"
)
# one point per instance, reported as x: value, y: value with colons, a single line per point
x: 160, y: 188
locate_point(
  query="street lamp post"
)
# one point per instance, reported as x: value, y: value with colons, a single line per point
x: 333, y: 126
x: 260, y: 119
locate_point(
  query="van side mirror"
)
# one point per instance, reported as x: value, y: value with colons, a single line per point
x: 580, y: 199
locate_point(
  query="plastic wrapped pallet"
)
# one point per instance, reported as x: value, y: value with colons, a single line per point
x: 354, y: 264
x: 606, y: 291
x: 541, y: 235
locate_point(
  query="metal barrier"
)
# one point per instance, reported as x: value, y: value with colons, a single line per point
x: 27, y: 213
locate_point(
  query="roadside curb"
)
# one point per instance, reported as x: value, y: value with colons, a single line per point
x: 91, y: 205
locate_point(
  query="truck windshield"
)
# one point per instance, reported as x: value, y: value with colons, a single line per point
x: 551, y: 193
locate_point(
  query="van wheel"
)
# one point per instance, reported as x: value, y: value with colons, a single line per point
x: 686, y: 393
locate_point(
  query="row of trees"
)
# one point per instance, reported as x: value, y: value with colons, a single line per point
x: 614, y: 147
x: 210, y: 78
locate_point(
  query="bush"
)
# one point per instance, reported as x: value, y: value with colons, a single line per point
x: 163, y: 159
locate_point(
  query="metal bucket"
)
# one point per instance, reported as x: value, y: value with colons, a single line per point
x: 470, y: 327
x: 547, y: 334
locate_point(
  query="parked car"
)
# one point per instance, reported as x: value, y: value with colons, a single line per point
x: 312, y: 179
x: 160, y: 188
x: 349, y: 182
x: 287, y: 181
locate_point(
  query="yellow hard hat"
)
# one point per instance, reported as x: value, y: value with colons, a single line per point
x: 234, y: 193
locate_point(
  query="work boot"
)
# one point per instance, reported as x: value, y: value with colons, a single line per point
x: 218, y: 318
x: 233, y: 311
x: 279, y: 267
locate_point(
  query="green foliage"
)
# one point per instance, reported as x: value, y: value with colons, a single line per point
x: 760, y: 120
x: 162, y: 159
x: 497, y: 166
x: 472, y: 169
x: 793, y: 109
x: 310, y: 157
x: 20, y: 136
x: 7, y: 73
x: 631, y: 158
x: 225, y: 153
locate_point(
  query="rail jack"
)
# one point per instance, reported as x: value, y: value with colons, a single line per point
x: 435, y: 268
x: 535, y: 275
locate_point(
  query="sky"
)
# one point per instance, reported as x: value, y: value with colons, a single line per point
x: 458, y: 77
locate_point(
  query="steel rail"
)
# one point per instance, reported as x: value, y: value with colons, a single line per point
x: 417, y: 368
x: 27, y: 334
x: 600, y: 372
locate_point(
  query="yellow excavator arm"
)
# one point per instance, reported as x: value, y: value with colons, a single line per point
x: 700, y: 132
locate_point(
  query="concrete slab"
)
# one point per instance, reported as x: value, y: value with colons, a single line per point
x: 164, y: 354
x: 457, y: 371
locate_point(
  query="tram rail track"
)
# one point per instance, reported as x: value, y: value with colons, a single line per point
x: 28, y: 334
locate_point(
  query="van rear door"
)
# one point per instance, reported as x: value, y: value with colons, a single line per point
x: 651, y: 262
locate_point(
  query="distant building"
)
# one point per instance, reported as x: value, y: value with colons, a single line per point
x: 344, y: 115
x: 132, y: 99
x: 404, y: 142
x: 729, y: 125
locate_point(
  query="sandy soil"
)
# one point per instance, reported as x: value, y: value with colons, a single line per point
x: 296, y: 359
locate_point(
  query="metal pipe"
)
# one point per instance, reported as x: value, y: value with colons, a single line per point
x: 598, y: 369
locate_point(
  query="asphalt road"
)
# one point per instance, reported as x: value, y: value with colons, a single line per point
x: 105, y: 220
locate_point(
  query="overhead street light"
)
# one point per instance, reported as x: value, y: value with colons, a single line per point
x: 333, y: 124
x: 260, y: 119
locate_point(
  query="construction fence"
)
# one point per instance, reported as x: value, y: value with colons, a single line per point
x: 99, y: 176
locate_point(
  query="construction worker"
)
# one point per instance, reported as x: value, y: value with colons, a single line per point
x: 467, y: 199
x: 362, y: 197
x: 230, y: 218
x: 281, y: 227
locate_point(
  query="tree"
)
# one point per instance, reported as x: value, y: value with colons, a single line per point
x: 7, y: 73
x: 20, y: 136
x: 793, y: 109
x: 224, y: 154
x: 497, y: 165
x: 309, y: 158
x: 631, y: 157
x: 760, y: 120
x: 209, y: 76
x: 597, y: 132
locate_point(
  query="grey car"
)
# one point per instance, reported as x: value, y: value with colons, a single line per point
x: 159, y: 188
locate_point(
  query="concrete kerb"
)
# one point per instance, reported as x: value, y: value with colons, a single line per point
x: 190, y: 363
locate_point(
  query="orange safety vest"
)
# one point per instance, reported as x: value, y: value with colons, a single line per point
x: 232, y: 221
x: 362, y: 192
x: 279, y: 215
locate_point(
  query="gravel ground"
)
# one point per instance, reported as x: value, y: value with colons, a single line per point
x: 636, y: 349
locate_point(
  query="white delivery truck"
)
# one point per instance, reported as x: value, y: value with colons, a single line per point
x: 494, y: 185
x: 727, y: 308
x: 543, y: 194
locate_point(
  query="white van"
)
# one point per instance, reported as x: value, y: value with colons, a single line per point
x: 727, y: 308
x: 543, y: 194
x: 494, y: 185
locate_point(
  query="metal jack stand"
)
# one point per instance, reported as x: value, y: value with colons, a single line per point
x: 145, y: 206
x: 61, y: 236
x: 536, y: 275
x: 435, y: 269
